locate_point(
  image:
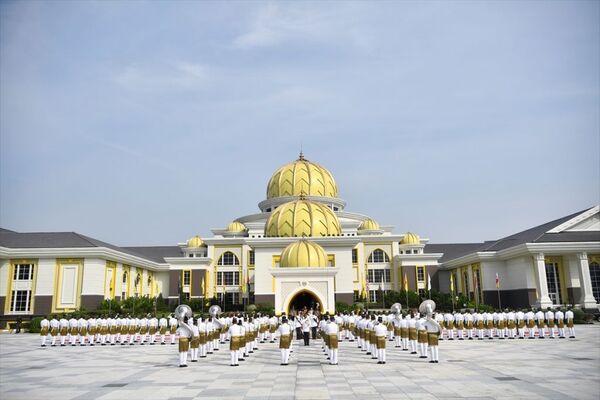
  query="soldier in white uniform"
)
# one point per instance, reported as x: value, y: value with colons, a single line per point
x: 371, y: 339
x: 195, y: 342
x: 143, y: 327
x: 185, y: 333
x: 242, y: 349
x: 439, y: 317
x: 210, y: 332
x: 459, y: 322
x: 422, y: 337
x: 63, y: 330
x: 397, y: 324
x: 570, y: 318
x: 152, y: 329
x: 480, y: 320
x: 530, y: 320
x: 549, y: 316
x: 559, y: 316
x: 162, y: 328
x: 54, y: 330
x: 133, y: 327
x: 500, y: 325
x: 333, y: 334
x: 113, y: 329
x: 511, y: 324
x: 235, y: 333
x: 44, y: 330
x: 520, y: 321
x: 203, y: 346
x: 285, y: 340
x: 91, y: 327
x: 412, y: 333
x: 172, y: 328
x: 82, y: 330
x: 380, y: 332
x: 449, y: 321
x: 541, y: 324
x: 433, y: 332
x: 469, y: 325
x: 73, y: 331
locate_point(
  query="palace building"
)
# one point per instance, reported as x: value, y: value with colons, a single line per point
x: 303, y: 248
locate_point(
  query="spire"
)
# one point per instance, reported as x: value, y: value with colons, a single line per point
x: 301, y: 156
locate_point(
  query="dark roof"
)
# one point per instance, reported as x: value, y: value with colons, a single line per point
x: 536, y: 234
x: 6, y: 230
x: 157, y: 253
x: 453, y: 250
x: 32, y: 240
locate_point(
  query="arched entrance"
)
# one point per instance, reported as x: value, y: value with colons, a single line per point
x: 304, y: 300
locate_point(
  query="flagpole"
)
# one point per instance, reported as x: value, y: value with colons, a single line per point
x: 498, y: 291
x: 406, y: 290
x: 452, y: 289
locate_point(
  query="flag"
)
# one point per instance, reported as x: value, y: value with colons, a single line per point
x: 497, y: 281
x: 428, y: 282
x: 452, y: 282
x: 405, y: 282
x: 475, y: 283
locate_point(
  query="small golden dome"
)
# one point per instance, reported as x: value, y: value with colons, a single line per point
x: 303, y: 253
x: 236, y: 226
x: 410, y: 238
x: 369, y: 225
x: 301, y: 177
x: 302, y: 218
x: 195, y: 242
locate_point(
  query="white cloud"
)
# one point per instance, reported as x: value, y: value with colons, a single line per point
x: 174, y: 75
x: 274, y: 24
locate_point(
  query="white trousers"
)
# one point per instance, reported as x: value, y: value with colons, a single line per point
x: 172, y: 338
x: 183, y: 358
x: 572, y: 332
x: 381, y: 355
x: 398, y: 341
x: 423, y: 349
x: 413, y: 346
x: 333, y: 356
x: 435, y: 354
x: 44, y: 338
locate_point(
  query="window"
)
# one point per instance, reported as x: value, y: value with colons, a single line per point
x: 422, y: 293
x: 228, y: 278
x: 228, y: 298
x: 356, y: 296
x: 228, y: 258
x: 191, y: 255
x: 595, y: 277
x: 185, y: 296
x: 251, y: 257
x: 421, y: 274
x: 378, y: 256
x: 372, y: 296
x: 125, y: 277
x: 23, y: 272
x: 553, y: 281
x: 187, y: 276
x: 379, y: 275
x: 354, y: 256
x: 20, y: 301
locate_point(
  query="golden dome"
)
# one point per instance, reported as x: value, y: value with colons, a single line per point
x: 236, y: 226
x: 195, y: 242
x: 410, y: 238
x: 302, y: 218
x: 369, y: 225
x: 303, y: 253
x: 302, y: 177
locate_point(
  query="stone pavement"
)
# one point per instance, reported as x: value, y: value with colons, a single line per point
x: 489, y: 369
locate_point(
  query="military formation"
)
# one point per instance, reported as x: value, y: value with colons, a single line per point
x: 417, y: 332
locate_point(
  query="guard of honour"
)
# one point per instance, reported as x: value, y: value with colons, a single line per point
x: 417, y: 331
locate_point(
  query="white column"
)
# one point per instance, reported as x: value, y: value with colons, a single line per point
x: 586, y: 300
x: 542, y: 283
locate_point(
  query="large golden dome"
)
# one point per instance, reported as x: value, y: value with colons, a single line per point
x: 302, y: 177
x: 302, y: 218
x: 303, y: 253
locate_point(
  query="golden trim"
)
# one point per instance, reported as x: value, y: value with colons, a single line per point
x: 9, y: 284
x: 110, y: 265
x: 80, y: 270
x: 287, y: 304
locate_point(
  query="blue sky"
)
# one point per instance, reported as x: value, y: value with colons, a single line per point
x: 143, y: 123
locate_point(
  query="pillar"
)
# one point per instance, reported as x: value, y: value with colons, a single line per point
x: 586, y: 300
x: 543, y: 300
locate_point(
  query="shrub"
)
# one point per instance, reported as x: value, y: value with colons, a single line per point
x: 34, y: 325
x: 578, y: 316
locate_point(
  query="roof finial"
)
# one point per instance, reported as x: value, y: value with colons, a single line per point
x: 301, y: 157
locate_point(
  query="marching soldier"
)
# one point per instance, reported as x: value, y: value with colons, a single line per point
x: 162, y: 328
x: 433, y: 332
x: 511, y: 324
x: 73, y: 331
x: 172, y: 328
x: 185, y: 332
x: 439, y: 317
x: 195, y: 342
x: 143, y: 329
x: 560, y: 322
x: 82, y: 330
x: 64, y: 330
x: 570, y: 317
x: 371, y: 337
x: 113, y: 328
x: 91, y: 326
x: 520, y: 317
x: 459, y: 320
x: 469, y: 325
x: 123, y: 329
x: 54, y: 330
x: 285, y: 340
x: 412, y: 333
x: 152, y: 328
x: 541, y: 325
x: 44, y: 328
x: 235, y: 332
x: 351, y: 327
x: 404, y: 334
x: 332, y: 332
x: 203, y: 338
x: 379, y: 333
x: 422, y: 337
x: 104, y: 330
x: 133, y: 328
x: 530, y: 320
x: 550, y: 322
x: 397, y: 324
x: 500, y: 325
x: 480, y: 319
x: 449, y: 320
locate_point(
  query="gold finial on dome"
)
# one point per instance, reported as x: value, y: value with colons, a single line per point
x: 300, y: 218
x: 410, y: 238
x: 302, y: 254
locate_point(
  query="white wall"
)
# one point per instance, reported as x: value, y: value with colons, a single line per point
x: 4, y: 271
x: 93, y: 276
x: 45, y: 277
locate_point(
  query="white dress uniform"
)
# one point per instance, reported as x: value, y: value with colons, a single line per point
x: 433, y: 330
x: 412, y: 338
x: 540, y: 317
x: 520, y: 321
x: 173, y: 329
x: 242, y: 349
x: 404, y: 336
x: 397, y: 326
x: 153, y: 328
x: 351, y: 325
x: 439, y: 317
x: 449, y: 321
x: 469, y: 325
x: 333, y: 330
x: 185, y: 333
x: 569, y: 319
x: 91, y: 328
x: 511, y: 324
x: 559, y: 316
x: 235, y: 333
x: 372, y: 346
x: 54, y: 330
x: 63, y: 330
x: 285, y: 335
x: 44, y: 330
x: 162, y: 329
x: 549, y: 316
x: 380, y: 330
x: 73, y: 331
x: 143, y: 324
x: 459, y: 321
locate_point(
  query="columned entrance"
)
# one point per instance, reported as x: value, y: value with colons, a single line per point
x: 296, y: 288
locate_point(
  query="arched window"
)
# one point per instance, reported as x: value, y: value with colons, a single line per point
x: 595, y: 278
x: 378, y: 256
x: 125, y: 277
x: 228, y: 258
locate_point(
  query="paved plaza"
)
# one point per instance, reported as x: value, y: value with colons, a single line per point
x: 490, y: 369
